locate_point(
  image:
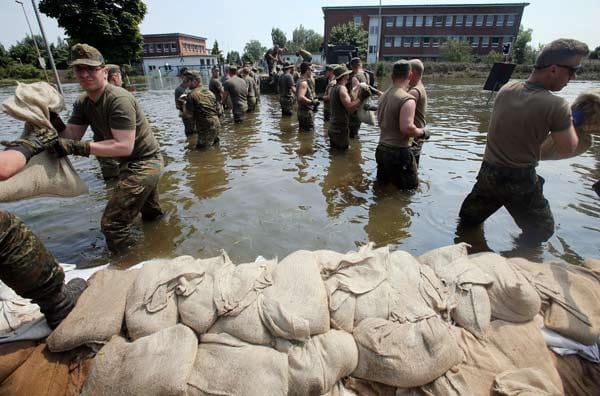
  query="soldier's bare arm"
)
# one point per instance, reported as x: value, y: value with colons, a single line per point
x: 73, y: 131
x: 566, y: 141
x: 407, y: 120
x: 348, y: 103
x: 11, y: 163
x: 120, y: 146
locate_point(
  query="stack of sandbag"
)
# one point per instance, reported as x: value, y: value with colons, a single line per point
x: 45, y: 175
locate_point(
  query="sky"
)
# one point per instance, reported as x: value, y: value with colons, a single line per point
x: 234, y: 23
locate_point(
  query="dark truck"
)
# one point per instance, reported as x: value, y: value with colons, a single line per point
x: 340, y: 53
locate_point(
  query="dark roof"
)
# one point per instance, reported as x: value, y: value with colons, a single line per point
x: 173, y: 34
x: 464, y: 5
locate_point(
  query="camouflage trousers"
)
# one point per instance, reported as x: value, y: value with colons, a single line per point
x: 396, y: 165
x: 354, y: 125
x: 207, y: 135
x: 136, y: 192
x: 251, y: 103
x: 338, y: 138
x: 306, y: 119
x: 188, y: 125
x: 519, y: 190
x: 26, y: 265
x: 108, y: 166
x: 287, y: 105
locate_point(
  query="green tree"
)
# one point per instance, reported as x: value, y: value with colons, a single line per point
x: 492, y: 57
x: 305, y: 38
x: 352, y: 34
x: 5, y: 58
x: 456, y: 51
x: 216, y: 51
x: 595, y: 54
x: 253, y: 51
x: 278, y: 37
x: 233, y: 57
x: 61, y: 53
x: 522, y: 52
x: 24, y: 51
x: 112, y: 26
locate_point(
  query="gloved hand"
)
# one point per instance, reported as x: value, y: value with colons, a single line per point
x: 315, y: 104
x: 65, y: 147
x: 425, y: 135
x: 40, y: 140
x: 57, y: 122
x: 369, y: 106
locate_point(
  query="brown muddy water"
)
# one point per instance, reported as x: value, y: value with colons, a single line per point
x: 269, y: 190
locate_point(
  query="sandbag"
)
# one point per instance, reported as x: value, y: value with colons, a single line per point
x: 405, y: 354
x: 579, y: 376
x: 12, y: 355
x: 228, y: 366
x: 16, y: 313
x: 363, y: 91
x: 158, y: 364
x: 511, y: 295
x: 296, y: 307
x: 526, y: 382
x: 316, y: 366
x: 444, y: 255
x: 91, y: 323
x: 45, y: 175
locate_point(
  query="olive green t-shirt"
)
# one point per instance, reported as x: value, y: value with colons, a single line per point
x: 388, y: 115
x: 116, y: 108
x: 421, y: 109
x: 523, y: 116
x: 340, y: 118
x: 215, y: 86
x: 286, y: 83
x: 238, y: 90
x: 251, y: 86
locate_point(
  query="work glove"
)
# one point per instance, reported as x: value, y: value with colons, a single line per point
x: 64, y: 147
x: 369, y: 106
x: 57, y: 122
x: 425, y: 136
x: 315, y: 104
x: 38, y: 141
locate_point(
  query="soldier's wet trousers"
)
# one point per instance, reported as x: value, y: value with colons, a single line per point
x: 306, y: 119
x: 287, y: 105
x: 338, y: 138
x: 396, y: 165
x: 354, y: 125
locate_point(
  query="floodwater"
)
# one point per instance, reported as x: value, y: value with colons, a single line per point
x: 269, y: 190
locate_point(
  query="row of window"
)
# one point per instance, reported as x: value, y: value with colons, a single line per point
x: 168, y: 47
x: 435, y: 42
x: 203, y: 62
x: 443, y: 20
x: 192, y: 47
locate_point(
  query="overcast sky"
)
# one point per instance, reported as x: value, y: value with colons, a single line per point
x: 234, y: 23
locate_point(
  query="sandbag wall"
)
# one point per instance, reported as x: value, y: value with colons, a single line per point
x: 321, y: 322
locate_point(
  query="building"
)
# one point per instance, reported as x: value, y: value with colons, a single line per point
x: 166, y: 53
x: 419, y: 31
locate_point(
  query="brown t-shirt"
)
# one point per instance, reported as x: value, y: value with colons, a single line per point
x: 215, y: 86
x: 286, y: 83
x: 116, y: 108
x: 203, y: 105
x: 251, y: 86
x: 388, y: 115
x: 339, y: 115
x: 523, y: 116
x: 238, y: 90
x: 421, y: 109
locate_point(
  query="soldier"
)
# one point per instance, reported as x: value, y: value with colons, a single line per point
x: 251, y: 89
x: 396, y: 115
x: 341, y: 106
x: 417, y: 90
x: 215, y: 86
x: 304, y: 55
x: 202, y: 106
x: 524, y: 113
x: 331, y: 81
x: 358, y: 76
x: 182, y: 90
x: 256, y: 77
x: 122, y: 132
x: 287, y: 90
x: 114, y: 75
x: 271, y: 58
x: 237, y: 89
x: 307, y: 99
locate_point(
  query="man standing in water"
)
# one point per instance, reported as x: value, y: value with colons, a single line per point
x: 236, y: 88
x: 287, y: 90
x: 203, y: 108
x: 396, y: 115
x: 251, y: 88
x: 326, y: 96
x: 341, y: 106
x: 181, y: 90
x: 358, y: 76
x: 524, y: 113
x: 215, y: 86
x: 307, y: 100
x: 417, y: 90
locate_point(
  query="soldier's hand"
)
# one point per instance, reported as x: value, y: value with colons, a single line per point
x: 27, y: 146
x: 65, y: 147
x: 424, y: 136
x: 47, y: 137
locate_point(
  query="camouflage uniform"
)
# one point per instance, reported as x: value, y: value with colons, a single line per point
x: 519, y: 190
x: 188, y: 123
x: 396, y: 165
x: 203, y: 107
x: 26, y: 265
x: 306, y: 120
x: 286, y: 95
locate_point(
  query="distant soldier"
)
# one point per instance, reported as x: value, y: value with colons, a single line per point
x: 251, y: 89
x: 271, y: 58
x: 341, y: 107
x: 203, y: 108
x: 237, y: 89
x: 287, y: 90
x: 417, y: 90
x: 307, y: 99
x: 216, y: 87
x: 182, y: 90
x: 256, y: 77
x: 331, y: 81
x: 359, y: 75
x: 114, y: 75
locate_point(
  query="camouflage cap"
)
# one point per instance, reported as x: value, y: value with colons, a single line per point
x: 330, y: 67
x: 355, y: 61
x: 341, y: 71
x: 192, y: 75
x: 112, y: 70
x: 83, y: 54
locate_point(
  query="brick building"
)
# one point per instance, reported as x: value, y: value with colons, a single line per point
x: 168, y: 52
x: 419, y: 31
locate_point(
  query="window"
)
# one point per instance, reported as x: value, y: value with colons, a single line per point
x: 426, y: 41
x: 372, y: 49
x: 495, y: 42
x: 417, y: 42
x: 500, y: 20
x: 151, y: 67
x: 389, y: 21
x: 173, y: 47
x: 479, y: 20
x: 159, y: 47
x: 507, y: 39
x: 419, y: 20
x: 201, y: 62
x: 357, y: 20
x: 400, y: 20
x: 489, y: 20
x: 475, y: 42
x: 439, y: 21
x: 388, y: 41
x: 146, y: 48
x: 469, y: 21
x: 458, y: 20
x: 443, y: 41
x: 407, y: 41
x: 409, y: 21
x: 429, y: 20
x: 436, y: 42
x: 448, y: 20
x: 398, y: 41
x: 485, y: 41
x: 373, y: 30
x: 510, y: 21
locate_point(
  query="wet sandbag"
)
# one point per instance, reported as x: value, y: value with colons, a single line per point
x: 92, y: 323
x: 445, y: 254
x: 511, y: 295
x: 528, y: 381
x: 158, y: 364
x: 316, y: 366
x: 405, y: 354
x: 570, y: 294
x: 363, y: 91
x: 44, y: 175
x: 295, y: 307
x: 12, y: 355
x: 226, y: 365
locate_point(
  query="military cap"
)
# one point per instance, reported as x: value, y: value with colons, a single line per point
x: 233, y: 68
x: 287, y: 65
x: 192, y: 75
x: 182, y: 71
x: 304, y: 67
x: 355, y: 61
x: 330, y: 67
x: 83, y: 54
x: 112, y: 70
x: 341, y: 71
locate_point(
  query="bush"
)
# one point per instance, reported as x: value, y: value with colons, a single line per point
x: 382, y: 69
x: 492, y: 57
x: 21, y: 72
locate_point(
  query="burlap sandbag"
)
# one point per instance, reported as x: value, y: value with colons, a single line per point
x: 405, y: 354
x: 159, y: 364
x: 445, y: 254
x: 511, y: 295
x: 45, y: 175
x: 570, y: 294
x: 12, y: 355
x: 295, y: 307
x: 529, y: 381
x: 315, y: 366
x: 363, y: 90
x: 579, y: 376
x: 226, y: 365
x: 91, y: 323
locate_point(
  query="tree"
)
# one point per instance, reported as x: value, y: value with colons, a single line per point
x: 24, y: 50
x: 217, y: 52
x: 352, y: 34
x: 5, y: 58
x: 233, y: 58
x: 278, y: 37
x: 61, y: 53
x: 492, y: 57
x: 112, y: 26
x: 305, y: 38
x: 253, y: 51
x: 522, y: 51
x: 456, y: 51
x: 595, y: 54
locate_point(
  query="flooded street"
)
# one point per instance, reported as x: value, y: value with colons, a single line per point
x: 269, y: 190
